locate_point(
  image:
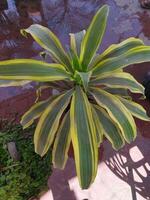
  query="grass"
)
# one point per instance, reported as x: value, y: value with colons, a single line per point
x: 20, y: 180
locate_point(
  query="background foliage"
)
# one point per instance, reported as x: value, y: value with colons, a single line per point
x: 27, y: 177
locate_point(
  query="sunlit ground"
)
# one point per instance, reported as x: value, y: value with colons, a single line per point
x: 121, y: 175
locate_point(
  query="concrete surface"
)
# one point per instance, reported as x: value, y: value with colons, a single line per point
x: 122, y: 175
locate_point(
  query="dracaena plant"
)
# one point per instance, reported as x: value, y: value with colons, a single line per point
x: 93, y: 102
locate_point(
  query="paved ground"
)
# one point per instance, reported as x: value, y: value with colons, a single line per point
x: 122, y: 175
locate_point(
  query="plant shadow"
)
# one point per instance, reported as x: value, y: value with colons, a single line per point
x: 59, y: 185
x: 59, y: 181
x: 132, y: 165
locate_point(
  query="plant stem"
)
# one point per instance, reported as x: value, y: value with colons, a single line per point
x: 9, y: 167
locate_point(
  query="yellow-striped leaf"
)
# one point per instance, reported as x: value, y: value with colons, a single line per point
x: 134, y: 56
x: 93, y: 37
x: 74, y: 59
x: 116, y: 50
x: 98, y: 126
x: 34, y: 112
x: 62, y: 143
x: 109, y: 128
x: 49, y: 122
x: 117, y: 112
x: 33, y: 70
x: 8, y: 83
x: 119, y: 80
x: 75, y: 41
x: 136, y: 110
x: 85, y: 77
x: 48, y: 40
x: 84, y: 139
x: 118, y: 91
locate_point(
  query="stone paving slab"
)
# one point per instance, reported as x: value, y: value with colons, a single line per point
x: 122, y: 175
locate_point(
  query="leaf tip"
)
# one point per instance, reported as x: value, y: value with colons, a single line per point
x: 24, y: 33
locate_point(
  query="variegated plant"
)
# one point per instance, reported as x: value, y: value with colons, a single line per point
x: 93, y: 100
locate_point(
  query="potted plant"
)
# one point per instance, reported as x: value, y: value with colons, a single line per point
x: 94, y: 101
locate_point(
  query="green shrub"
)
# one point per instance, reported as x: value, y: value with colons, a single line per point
x: 20, y: 180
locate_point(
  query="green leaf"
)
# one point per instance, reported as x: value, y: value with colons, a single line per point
x: 34, y: 112
x: 48, y: 40
x: 98, y: 126
x: 33, y: 70
x: 136, y: 110
x: 85, y: 77
x: 75, y: 44
x: 93, y: 37
x: 119, y: 80
x: 38, y: 93
x: 118, y: 91
x: 75, y: 60
x: 49, y: 123
x: 134, y: 56
x: 62, y: 85
x: 8, y: 83
x: 62, y: 143
x: 109, y: 128
x: 83, y: 135
x: 116, y: 50
x: 75, y: 41
x: 117, y: 112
